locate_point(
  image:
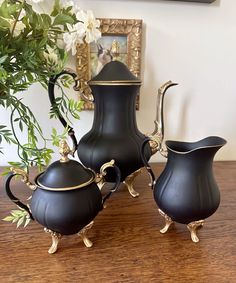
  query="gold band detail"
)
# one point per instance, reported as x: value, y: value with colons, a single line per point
x: 114, y: 83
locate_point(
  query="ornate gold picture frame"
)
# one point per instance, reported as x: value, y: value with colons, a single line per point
x: 127, y: 33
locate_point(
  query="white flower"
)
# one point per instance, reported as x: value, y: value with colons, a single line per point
x: 18, y: 27
x: 90, y: 24
x: 73, y: 37
x: 35, y: 5
x: 86, y: 29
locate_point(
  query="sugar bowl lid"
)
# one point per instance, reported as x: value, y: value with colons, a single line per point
x: 115, y: 73
x: 65, y: 174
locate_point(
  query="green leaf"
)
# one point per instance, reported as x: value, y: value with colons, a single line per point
x: 14, y: 214
x: 63, y: 19
x: 7, y: 10
x: 21, y: 126
x: 20, y: 221
x: 15, y: 220
x: 3, y: 58
x: 25, y: 156
x: 8, y: 218
x: 47, y: 21
x: 54, y: 131
x: 27, y: 221
x: 56, y: 8
x: 4, y: 24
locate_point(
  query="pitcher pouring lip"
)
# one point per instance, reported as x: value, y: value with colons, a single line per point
x: 180, y: 147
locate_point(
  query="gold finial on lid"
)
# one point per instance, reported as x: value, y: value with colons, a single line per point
x: 64, y: 150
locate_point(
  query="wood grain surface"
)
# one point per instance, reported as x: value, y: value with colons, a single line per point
x: 128, y: 246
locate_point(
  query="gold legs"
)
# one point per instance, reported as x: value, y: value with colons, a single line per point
x: 57, y: 236
x: 129, y: 181
x: 192, y: 227
x: 55, y: 240
x: 168, y: 221
x: 82, y: 234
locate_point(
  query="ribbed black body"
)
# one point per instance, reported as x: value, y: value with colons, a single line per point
x: 186, y: 190
x: 66, y: 212
x: 114, y: 133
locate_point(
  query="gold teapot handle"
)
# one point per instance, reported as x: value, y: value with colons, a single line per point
x: 25, y: 179
x: 101, y: 176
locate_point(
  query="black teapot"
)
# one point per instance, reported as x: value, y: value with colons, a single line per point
x: 66, y: 197
x: 114, y: 133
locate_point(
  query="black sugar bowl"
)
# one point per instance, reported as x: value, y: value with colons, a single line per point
x: 66, y: 197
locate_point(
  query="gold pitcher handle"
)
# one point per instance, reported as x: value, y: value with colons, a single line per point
x: 157, y: 136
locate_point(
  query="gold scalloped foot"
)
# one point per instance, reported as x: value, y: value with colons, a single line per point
x: 168, y: 221
x: 193, y: 227
x: 82, y: 233
x: 129, y: 182
x: 55, y: 240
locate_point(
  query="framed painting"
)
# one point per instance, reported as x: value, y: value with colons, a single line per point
x: 121, y: 40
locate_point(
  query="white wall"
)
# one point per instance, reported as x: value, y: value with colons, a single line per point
x: 193, y: 44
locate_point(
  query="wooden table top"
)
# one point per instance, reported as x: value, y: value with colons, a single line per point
x: 128, y: 246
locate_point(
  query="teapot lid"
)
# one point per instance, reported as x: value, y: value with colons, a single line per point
x: 65, y: 174
x: 115, y: 73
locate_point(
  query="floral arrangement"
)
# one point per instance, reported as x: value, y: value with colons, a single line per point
x: 34, y: 46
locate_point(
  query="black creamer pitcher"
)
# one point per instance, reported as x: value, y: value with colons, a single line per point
x: 186, y: 191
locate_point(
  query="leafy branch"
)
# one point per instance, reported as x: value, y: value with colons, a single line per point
x: 22, y: 118
x: 18, y: 216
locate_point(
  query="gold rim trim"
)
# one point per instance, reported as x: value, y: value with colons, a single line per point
x: 90, y: 181
x: 114, y: 83
x: 195, y: 149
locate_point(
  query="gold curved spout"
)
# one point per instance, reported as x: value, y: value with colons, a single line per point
x: 157, y: 136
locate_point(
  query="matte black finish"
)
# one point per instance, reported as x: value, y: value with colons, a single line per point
x: 114, y: 134
x: 115, y: 71
x: 66, y: 212
x: 186, y: 190
x: 64, y: 175
x: 61, y: 207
